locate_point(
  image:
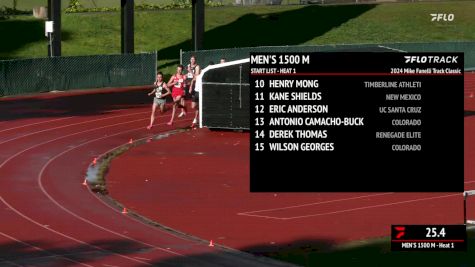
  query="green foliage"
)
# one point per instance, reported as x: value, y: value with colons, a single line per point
x: 212, y: 3
x: 145, y: 6
x: 6, y: 12
x: 74, y: 6
x: 182, y: 3
x: 92, y: 9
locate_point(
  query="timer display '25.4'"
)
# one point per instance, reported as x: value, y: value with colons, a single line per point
x: 435, y: 232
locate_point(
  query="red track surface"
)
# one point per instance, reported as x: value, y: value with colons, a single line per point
x: 185, y: 184
x: 198, y: 182
x: 49, y: 218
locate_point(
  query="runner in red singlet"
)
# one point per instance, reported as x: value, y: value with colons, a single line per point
x: 177, y: 82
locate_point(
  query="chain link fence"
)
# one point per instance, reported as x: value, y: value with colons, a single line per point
x: 225, y: 96
x: 81, y: 72
x: 207, y: 57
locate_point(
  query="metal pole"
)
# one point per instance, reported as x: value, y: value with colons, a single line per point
x: 50, y: 45
x: 197, y: 23
x: 181, y: 56
x: 54, y: 14
x: 156, y: 64
x: 240, y: 86
x: 50, y: 6
x: 193, y: 24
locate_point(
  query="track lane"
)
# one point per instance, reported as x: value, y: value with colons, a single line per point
x: 25, y: 186
x: 59, y: 155
x: 217, y: 198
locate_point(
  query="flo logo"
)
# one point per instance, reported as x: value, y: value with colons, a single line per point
x: 401, y: 231
x: 442, y: 17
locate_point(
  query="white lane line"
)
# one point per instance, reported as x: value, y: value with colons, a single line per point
x: 322, y: 202
x: 3, y: 261
x: 40, y: 184
x: 144, y: 259
x: 49, y: 141
x: 62, y: 137
x: 69, y: 135
x: 68, y: 125
x: 9, y: 263
x: 65, y: 235
x: 36, y: 123
x: 391, y: 48
x: 351, y: 210
x: 318, y: 203
x: 170, y: 252
x: 113, y: 208
x: 60, y: 255
x: 52, y: 230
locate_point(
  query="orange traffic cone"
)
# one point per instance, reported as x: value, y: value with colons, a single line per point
x: 211, y: 244
x: 85, y: 182
x: 131, y: 141
x: 124, y: 211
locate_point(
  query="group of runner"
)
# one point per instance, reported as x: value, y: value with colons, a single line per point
x: 178, y: 83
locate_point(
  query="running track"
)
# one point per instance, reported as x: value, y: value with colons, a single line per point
x: 49, y: 218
